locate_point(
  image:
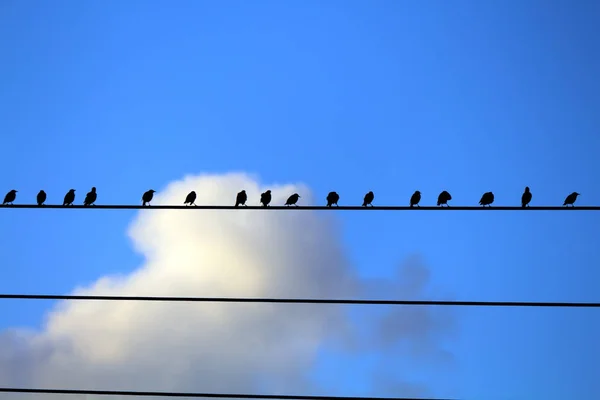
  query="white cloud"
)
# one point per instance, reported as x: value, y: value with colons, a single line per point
x: 208, y: 347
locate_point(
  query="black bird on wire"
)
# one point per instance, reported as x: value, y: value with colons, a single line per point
x: 443, y: 198
x: 415, y: 199
x: 569, y: 200
x: 41, y: 198
x: 292, y: 200
x: 10, y: 197
x: 369, y: 197
x: 90, y: 198
x: 332, y: 198
x: 487, y: 199
x: 526, y: 198
x: 265, y: 198
x: 241, y: 198
x: 69, y: 198
x: 147, y: 197
x: 190, y: 198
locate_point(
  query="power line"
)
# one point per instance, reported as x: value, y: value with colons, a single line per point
x: 207, y: 395
x: 299, y: 208
x: 301, y: 301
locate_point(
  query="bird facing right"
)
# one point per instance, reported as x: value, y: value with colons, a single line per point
x: 332, y: 198
x: 69, y: 198
x: 41, y: 198
x: 10, y: 197
x: 190, y: 199
x: 369, y: 197
x: 487, y: 199
x: 443, y: 198
x: 571, y: 199
x: 292, y: 200
x: 415, y: 199
x: 265, y: 198
x: 90, y: 198
x: 241, y: 198
x: 526, y: 198
x: 147, y: 197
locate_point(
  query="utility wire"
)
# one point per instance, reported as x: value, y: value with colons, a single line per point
x: 302, y: 301
x: 299, y: 208
x: 206, y: 395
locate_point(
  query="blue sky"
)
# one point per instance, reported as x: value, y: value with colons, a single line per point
x: 389, y: 96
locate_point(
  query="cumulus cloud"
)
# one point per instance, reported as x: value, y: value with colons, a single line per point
x: 215, y: 347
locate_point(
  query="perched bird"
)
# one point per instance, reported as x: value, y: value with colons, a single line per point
x: 10, y: 197
x: 90, y: 198
x: 569, y: 200
x: 147, y: 197
x: 292, y: 200
x: 443, y: 198
x: 369, y: 197
x: 191, y: 198
x: 41, y: 198
x: 332, y: 198
x: 69, y: 198
x: 241, y: 198
x: 487, y: 199
x: 415, y: 199
x: 265, y: 198
x: 526, y: 198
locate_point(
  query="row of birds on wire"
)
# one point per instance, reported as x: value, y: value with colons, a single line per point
x: 265, y: 198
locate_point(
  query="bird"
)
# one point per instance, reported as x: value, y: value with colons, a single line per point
x: 90, y: 198
x: 526, y: 198
x: 190, y: 198
x: 265, y: 198
x: 41, y: 198
x: 443, y: 198
x: 147, y: 197
x: 69, y: 198
x: 292, y: 200
x: 241, y: 198
x: 487, y: 199
x: 332, y: 198
x: 415, y: 199
x: 569, y: 200
x: 10, y: 197
x: 369, y: 197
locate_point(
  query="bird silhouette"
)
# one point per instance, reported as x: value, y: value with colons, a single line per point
x: 415, y: 199
x: 69, y: 198
x: 41, y: 198
x: 526, y: 198
x: 241, y: 198
x: 10, y: 197
x: 292, y: 200
x: 90, y: 198
x: 443, y: 198
x: 265, y: 198
x: 190, y: 198
x: 147, y: 197
x: 569, y: 200
x: 487, y: 199
x: 332, y: 198
x: 369, y: 197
